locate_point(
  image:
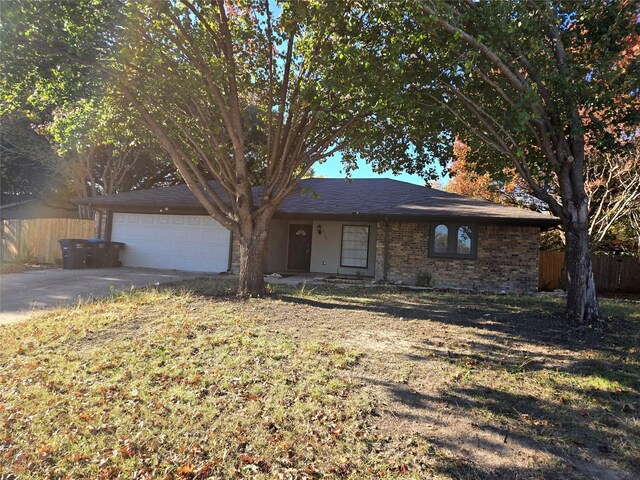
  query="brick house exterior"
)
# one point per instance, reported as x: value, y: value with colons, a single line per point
x: 381, y: 229
x: 507, y: 258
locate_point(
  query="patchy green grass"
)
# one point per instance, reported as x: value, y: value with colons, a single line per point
x: 166, y: 385
x: 186, y: 381
x: 509, y: 362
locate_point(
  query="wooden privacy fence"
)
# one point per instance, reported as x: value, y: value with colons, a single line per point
x: 551, y: 270
x: 612, y: 273
x: 37, y: 239
x: 616, y: 273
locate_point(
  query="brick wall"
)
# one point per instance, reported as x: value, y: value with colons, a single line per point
x: 507, y: 258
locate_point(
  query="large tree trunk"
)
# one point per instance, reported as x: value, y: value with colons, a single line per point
x: 582, y: 302
x: 253, y: 245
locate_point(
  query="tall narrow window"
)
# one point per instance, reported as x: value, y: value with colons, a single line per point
x: 355, y: 246
x: 464, y: 240
x: 441, y: 240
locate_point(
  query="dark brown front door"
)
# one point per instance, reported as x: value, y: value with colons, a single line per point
x: 299, y: 247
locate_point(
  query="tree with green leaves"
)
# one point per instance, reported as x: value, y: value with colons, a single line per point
x: 246, y: 93
x: 100, y: 150
x: 526, y: 85
x: 61, y: 133
x: 25, y: 156
x: 49, y: 52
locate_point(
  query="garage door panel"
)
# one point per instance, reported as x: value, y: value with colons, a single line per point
x: 180, y: 242
x: 212, y: 236
x: 181, y: 236
x: 162, y: 238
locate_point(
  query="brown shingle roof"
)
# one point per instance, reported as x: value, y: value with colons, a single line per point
x: 335, y: 197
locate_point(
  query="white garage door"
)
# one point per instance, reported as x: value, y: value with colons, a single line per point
x: 180, y: 242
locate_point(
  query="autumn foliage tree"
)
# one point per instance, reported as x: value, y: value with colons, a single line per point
x: 467, y: 180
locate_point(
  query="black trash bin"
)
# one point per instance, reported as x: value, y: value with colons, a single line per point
x: 74, y: 253
x: 114, y: 254
x: 98, y: 255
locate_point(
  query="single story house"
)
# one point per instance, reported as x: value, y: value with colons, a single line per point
x: 380, y: 228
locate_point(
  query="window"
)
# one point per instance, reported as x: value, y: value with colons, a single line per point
x: 464, y: 240
x: 355, y: 246
x: 453, y: 240
x: 441, y: 239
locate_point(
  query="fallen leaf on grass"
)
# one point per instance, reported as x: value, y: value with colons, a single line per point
x: 186, y: 469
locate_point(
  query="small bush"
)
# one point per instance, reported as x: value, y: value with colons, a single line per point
x: 423, y: 279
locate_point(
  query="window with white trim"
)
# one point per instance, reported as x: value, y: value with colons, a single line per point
x: 355, y: 246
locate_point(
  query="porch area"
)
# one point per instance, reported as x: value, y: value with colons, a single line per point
x: 328, y: 247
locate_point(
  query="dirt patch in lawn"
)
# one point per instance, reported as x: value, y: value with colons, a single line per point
x: 492, y: 379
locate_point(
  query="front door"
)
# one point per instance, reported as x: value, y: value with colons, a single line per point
x: 299, y: 257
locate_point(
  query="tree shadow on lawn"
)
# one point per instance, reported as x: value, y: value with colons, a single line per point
x: 514, y: 356
x: 513, y: 338
x: 491, y: 336
x: 524, y: 318
x: 496, y: 421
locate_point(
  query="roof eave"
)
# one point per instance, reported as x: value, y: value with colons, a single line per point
x: 541, y: 222
x: 197, y: 209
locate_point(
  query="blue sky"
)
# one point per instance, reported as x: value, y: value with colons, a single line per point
x: 332, y: 168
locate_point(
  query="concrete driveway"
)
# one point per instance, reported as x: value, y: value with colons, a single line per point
x: 22, y: 293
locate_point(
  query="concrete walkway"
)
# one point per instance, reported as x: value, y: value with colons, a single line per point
x: 22, y: 293
x: 294, y: 279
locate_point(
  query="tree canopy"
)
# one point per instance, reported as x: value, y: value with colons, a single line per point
x: 527, y: 86
x: 49, y: 54
x: 244, y: 93
x: 60, y: 123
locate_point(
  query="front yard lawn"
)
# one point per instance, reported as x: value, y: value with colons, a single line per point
x: 179, y: 382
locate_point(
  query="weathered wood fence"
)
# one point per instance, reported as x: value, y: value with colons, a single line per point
x: 551, y: 270
x: 612, y: 273
x: 37, y: 239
